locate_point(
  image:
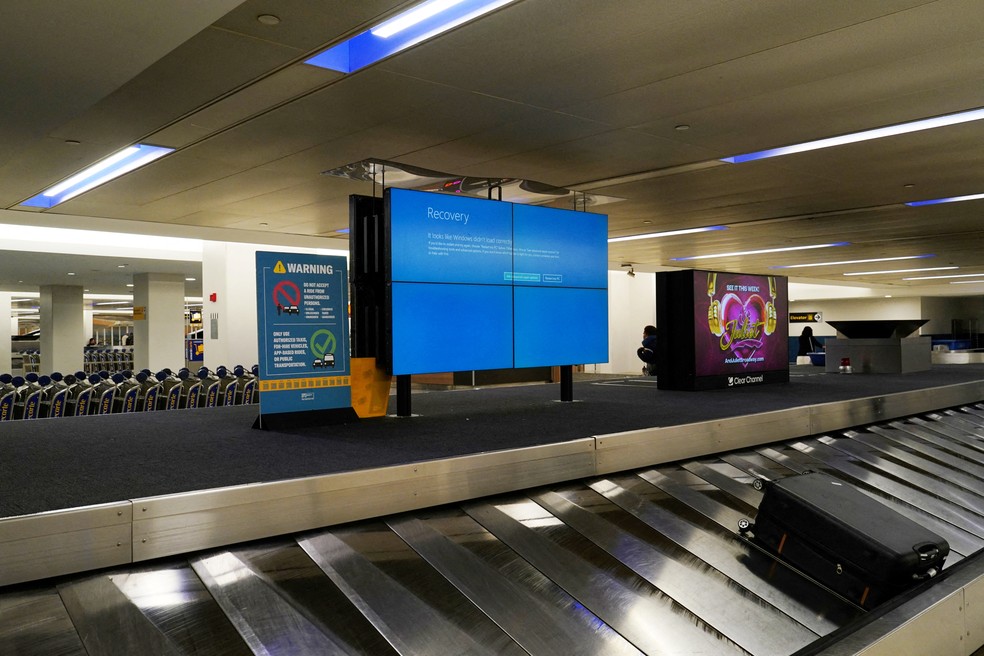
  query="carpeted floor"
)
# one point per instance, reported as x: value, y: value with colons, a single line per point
x: 61, y: 463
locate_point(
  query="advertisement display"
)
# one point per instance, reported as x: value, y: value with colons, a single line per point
x: 302, y: 306
x: 480, y: 284
x: 719, y: 329
x: 742, y: 332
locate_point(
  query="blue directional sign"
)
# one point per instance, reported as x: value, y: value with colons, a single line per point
x: 302, y: 309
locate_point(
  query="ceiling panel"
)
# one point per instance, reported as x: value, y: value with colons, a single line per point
x: 579, y: 93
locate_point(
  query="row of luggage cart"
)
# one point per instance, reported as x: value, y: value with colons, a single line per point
x: 95, y: 360
x: 36, y: 397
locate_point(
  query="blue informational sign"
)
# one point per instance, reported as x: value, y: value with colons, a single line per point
x: 302, y: 313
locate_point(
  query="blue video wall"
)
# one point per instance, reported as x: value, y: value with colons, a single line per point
x: 481, y: 284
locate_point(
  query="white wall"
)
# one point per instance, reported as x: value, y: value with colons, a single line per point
x: 229, y: 271
x: 631, y: 305
x: 942, y: 311
x: 854, y: 309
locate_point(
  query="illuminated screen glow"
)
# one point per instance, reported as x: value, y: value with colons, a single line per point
x: 448, y: 327
x: 481, y: 284
x: 740, y: 323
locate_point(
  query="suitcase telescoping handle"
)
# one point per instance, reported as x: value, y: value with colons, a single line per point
x: 927, y: 551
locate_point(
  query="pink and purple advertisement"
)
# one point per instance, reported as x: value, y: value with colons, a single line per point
x: 739, y: 323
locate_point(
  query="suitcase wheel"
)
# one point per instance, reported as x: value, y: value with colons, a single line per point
x: 758, y: 484
x: 744, y: 526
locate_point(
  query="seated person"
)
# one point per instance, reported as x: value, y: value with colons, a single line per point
x: 647, y: 352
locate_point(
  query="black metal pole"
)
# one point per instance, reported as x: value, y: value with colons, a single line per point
x: 567, y: 383
x: 403, y: 395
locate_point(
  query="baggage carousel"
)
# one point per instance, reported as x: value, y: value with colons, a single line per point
x: 644, y: 561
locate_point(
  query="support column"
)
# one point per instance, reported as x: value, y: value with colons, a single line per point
x: 158, y: 321
x: 5, y: 349
x: 229, y: 322
x: 61, y: 328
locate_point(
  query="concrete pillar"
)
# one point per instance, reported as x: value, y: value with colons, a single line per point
x: 61, y: 328
x: 87, y: 325
x: 158, y: 321
x: 5, y: 350
x: 229, y: 322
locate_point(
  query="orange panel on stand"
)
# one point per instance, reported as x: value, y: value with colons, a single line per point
x: 370, y: 388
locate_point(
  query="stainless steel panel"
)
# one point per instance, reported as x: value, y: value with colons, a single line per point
x: 652, y: 446
x: 935, y: 447
x: 262, y: 617
x: 737, y: 559
x: 846, y: 414
x: 933, y: 461
x: 738, y: 489
x: 953, y: 423
x: 181, y: 523
x: 537, y: 625
x: 176, y: 602
x: 64, y: 541
x: 35, y: 623
x: 734, y: 612
x: 641, y: 613
x: 920, y: 427
x: 725, y: 517
x: 302, y: 583
x: 403, y: 615
x: 968, y: 504
x: 108, y: 623
x: 936, y: 514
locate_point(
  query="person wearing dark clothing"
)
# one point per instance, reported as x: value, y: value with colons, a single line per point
x: 808, y: 343
x: 647, y: 352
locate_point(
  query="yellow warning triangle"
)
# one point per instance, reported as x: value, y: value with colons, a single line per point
x: 279, y: 268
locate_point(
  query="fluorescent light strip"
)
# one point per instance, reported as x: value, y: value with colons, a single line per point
x: 865, y: 135
x: 938, y: 201
x: 966, y: 282
x: 955, y: 275
x: 760, y: 252
x: 420, y: 23
x: 878, y: 273
x: 875, y: 259
x: 411, y: 17
x: 669, y: 233
x: 99, y: 173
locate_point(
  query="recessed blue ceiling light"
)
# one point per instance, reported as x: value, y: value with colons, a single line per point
x: 99, y: 173
x: 952, y: 199
x: 417, y: 24
x: 877, y: 133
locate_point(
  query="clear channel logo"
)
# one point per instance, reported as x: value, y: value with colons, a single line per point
x: 734, y: 381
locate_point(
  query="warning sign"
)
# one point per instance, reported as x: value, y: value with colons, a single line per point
x: 302, y: 302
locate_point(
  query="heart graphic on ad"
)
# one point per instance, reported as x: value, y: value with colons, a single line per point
x: 743, y: 323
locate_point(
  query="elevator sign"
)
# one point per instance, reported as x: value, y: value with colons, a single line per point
x: 302, y: 306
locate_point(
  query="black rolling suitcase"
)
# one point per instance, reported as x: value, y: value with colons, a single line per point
x: 844, y: 539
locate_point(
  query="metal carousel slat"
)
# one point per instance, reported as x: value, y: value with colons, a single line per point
x: 405, y: 602
x: 641, y: 613
x: 36, y: 623
x: 535, y: 623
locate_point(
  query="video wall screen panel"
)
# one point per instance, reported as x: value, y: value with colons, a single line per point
x: 544, y: 260
x: 550, y: 330
x: 448, y: 327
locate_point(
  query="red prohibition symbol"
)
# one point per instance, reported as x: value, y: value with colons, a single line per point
x: 287, y: 296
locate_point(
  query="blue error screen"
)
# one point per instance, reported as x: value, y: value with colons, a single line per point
x: 480, y: 284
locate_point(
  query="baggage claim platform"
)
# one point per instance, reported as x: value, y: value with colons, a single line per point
x: 493, y: 521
